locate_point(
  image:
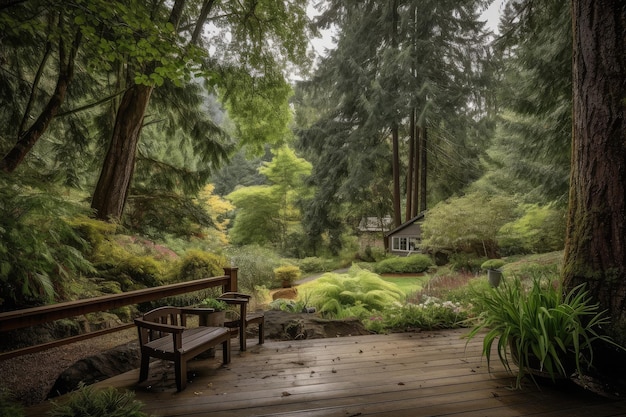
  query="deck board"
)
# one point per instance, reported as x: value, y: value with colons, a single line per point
x: 399, y: 375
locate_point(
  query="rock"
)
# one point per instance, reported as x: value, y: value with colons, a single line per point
x: 97, y: 368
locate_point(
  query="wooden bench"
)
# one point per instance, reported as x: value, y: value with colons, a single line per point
x: 163, y: 334
x: 245, y: 319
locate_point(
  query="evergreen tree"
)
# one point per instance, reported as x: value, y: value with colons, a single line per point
x: 393, y: 60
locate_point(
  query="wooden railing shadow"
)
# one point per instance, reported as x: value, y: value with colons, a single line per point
x: 19, y: 319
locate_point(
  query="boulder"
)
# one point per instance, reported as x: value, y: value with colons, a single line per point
x: 97, y: 368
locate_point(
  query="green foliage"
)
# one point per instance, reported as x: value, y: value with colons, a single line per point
x: 211, y: 302
x: 431, y: 314
x: 108, y: 402
x: 540, y: 327
x: 8, y: 406
x: 256, y: 266
x: 115, y: 263
x: 408, y: 264
x: 316, y: 264
x: 541, y: 229
x: 290, y: 306
x: 197, y: 264
x: 492, y: 264
x: 269, y: 213
x: 467, y: 262
x: 39, y: 250
x: 356, y: 293
x: 287, y: 274
x: 467, y: 224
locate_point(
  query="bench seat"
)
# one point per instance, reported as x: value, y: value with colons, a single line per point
x: 163, y: 334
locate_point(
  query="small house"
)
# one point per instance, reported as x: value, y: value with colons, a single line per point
x: 371, y: 231
x: 406, y: 238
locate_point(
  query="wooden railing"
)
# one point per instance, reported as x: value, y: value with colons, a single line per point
x: 28, y: 317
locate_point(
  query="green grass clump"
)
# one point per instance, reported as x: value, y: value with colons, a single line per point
x: 109, y: 402
x: 8, y: 406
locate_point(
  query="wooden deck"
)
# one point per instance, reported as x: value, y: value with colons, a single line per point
x: 407, y: 374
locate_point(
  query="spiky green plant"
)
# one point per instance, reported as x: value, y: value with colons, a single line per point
x: 540, y: 327
x: 109, y: 402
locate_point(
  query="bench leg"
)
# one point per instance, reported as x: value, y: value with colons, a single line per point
x: 242, y: 337
x: 226, y: 351
x: 180, y: 370
x: 143, y: 370
x: 261, y: 334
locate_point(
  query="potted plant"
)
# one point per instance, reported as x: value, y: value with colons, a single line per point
x: 545, y: 332
x: 494, y: 273
x: 217, y: 318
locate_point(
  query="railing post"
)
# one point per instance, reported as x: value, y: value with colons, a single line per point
x: 232, y: 273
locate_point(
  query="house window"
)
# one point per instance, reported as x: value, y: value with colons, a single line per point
x: 404, y: 244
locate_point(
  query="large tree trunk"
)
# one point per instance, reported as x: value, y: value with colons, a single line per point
x: 595, y: 249
x: 111, y: 192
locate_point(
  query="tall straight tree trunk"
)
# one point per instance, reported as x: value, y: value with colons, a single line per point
x: 423, y: 167
x: 397, y: 212
x: 112, y: 189
x: 416, y: 169
x: 410, y: 175
x: 595, y: 247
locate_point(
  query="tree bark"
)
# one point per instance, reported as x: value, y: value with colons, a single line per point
x: 111, y: 192
x: 410, y: 174
x: 595, y: 248
x: 423, y: 167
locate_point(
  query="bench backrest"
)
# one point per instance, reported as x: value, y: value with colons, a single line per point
x: 163, y: 315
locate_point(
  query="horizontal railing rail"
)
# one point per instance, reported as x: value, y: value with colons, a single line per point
x: 17, y: 319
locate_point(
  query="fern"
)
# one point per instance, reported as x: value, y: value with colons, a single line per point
x: 355, y: 294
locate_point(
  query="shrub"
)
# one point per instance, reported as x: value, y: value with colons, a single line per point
x: 466, y: 262
x: 316, y: 264
x: 467, y: 224
x: 256, y: 266
x: 197, y: 264
x: 409, y: 264
x: 109, y: 402
x: 287, y: 274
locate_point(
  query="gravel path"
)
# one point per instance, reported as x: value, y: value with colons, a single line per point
x: 30, y: 377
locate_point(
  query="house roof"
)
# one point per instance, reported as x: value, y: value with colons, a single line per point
x: 375, y: 224
x: 406, y: 224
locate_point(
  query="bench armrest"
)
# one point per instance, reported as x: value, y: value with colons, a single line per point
x: 198, y: 311
x: 234, y: 298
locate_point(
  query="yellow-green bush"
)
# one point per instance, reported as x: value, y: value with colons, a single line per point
x: 287, y: 274
x: 198, y: 264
